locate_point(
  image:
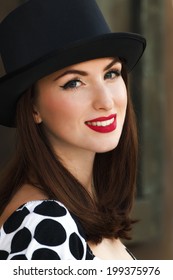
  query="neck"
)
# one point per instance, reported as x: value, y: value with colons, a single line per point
x: 80, y: 164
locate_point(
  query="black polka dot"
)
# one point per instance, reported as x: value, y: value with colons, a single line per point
x: 89, y: 254
x: 20, y: 240
x: 3, y: 255
x: 50, y: 208
x: 49, y: 232
x: 76, y: 246
x: 19, y: 257
x: 45, y: 254
x: 15, y: 220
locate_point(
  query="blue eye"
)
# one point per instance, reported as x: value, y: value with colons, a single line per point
x: 72, y: 84
x: 112, y: 74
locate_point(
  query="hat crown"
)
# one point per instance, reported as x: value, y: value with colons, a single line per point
x: 40, y: 27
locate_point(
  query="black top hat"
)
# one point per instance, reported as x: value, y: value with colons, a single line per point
x: 42, y: 36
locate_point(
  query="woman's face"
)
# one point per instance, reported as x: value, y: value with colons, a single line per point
x: 83, y: 106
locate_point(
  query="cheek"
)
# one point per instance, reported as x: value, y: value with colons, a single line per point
x: 57, y: 108
x: 49, y: 108
x: 121, y: 97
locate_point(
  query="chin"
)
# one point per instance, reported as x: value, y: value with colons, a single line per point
x: 106, y: 148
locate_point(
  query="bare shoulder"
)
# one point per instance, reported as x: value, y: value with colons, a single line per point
x: 25, y: 194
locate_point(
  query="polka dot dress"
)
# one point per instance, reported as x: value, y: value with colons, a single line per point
x: 43, y: 230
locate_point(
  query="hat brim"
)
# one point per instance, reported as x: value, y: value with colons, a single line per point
x: 128, y: 46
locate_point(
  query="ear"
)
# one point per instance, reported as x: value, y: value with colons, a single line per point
x: 36, y: 115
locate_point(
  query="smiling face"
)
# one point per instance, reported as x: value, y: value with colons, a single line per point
x: 82, y: 107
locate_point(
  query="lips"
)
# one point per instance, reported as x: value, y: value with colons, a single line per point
x: 103, y: 124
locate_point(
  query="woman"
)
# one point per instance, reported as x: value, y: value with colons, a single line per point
x: 69, y: 190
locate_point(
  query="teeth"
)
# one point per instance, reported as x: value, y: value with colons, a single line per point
x: 103, y: 123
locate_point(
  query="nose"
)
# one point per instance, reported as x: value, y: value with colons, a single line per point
x: 103, y: 98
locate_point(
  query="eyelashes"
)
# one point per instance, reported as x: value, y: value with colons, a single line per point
x: 76, y: 82
x: 72, y: 84
x: 111, y: 74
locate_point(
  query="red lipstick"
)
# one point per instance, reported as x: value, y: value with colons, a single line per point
x: 103, y: 124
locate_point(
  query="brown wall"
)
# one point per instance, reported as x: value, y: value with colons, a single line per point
x: 168, y: 197
x: 162, y: 248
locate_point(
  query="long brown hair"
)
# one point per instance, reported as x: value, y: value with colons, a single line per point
x: 114, y: 175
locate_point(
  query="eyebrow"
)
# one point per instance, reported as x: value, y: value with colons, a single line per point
x: 83, y: 73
